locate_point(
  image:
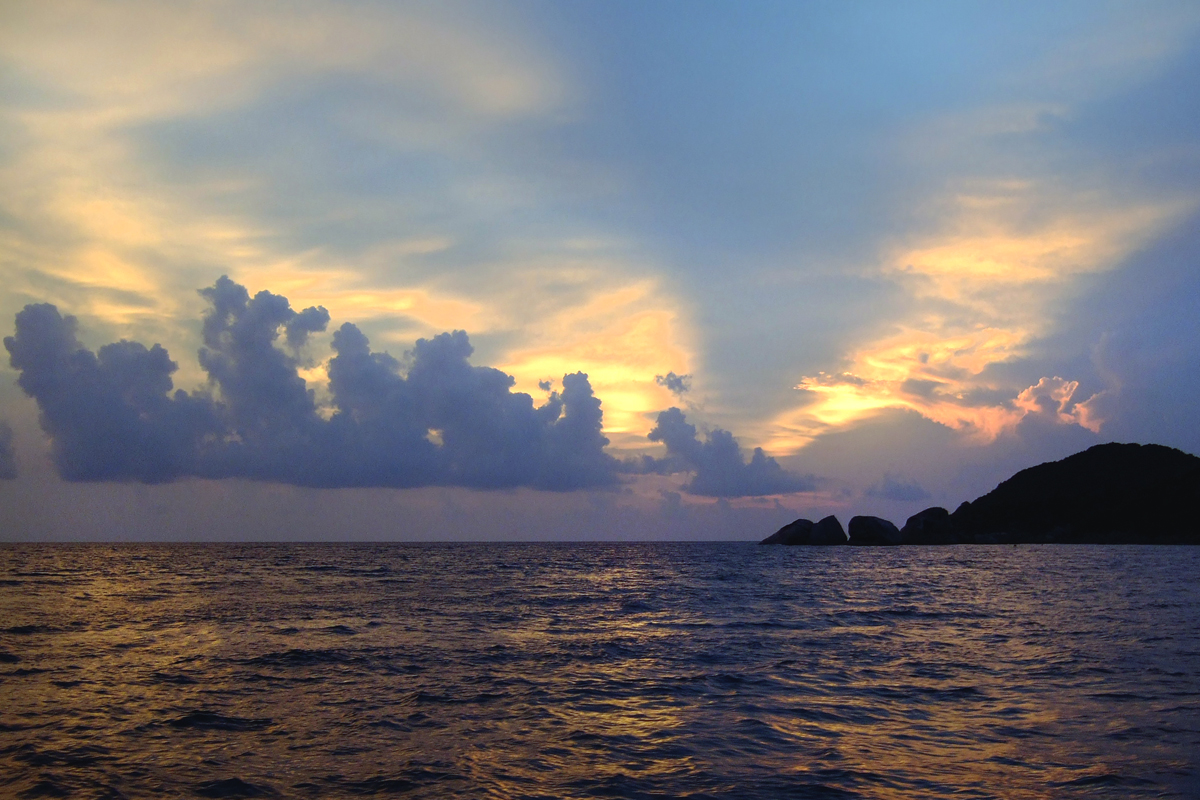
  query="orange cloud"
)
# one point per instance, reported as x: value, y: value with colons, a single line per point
x: 981, y: 293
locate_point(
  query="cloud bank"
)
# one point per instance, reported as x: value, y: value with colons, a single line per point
x: 431, y: 419
x: 112, y: 416
x: 717, y: 462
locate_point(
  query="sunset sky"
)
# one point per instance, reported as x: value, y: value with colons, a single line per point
x: 906, y: 249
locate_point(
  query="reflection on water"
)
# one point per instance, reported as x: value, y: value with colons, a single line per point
x: 624, y: 670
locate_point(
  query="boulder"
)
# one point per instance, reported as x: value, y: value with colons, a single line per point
x: 798, y: 532
x: 828, y: 532
x: 873, y: 532
x: 931, y: 526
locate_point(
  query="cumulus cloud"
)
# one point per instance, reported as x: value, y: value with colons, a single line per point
x: 1054, y: 398
x: 891, y: 488
x: 8, y: 458
x: 111, y: 415
x: 717, y: 464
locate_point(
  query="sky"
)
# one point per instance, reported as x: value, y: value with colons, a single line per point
x: 589, y: 270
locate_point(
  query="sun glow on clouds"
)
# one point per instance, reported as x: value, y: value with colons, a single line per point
x: 621, y: 335
x: 619, y: 330
x: 201, y: 56
x: 128, y: 250
x: 107, y: 231
x: 349, y: 296
x: 92, y: 224
x: 981, y: 293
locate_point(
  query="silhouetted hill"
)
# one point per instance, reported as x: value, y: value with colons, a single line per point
x: 1110, y: 493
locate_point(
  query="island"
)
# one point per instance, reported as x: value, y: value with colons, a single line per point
x: 1108, y: 494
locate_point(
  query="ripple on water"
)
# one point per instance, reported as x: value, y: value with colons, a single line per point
x: 625, y: 671
x: 233, y: 787
x: 212, y: 721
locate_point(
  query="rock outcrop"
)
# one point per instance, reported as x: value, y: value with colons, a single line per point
x: 826, y: 532
x: 798, y: 532
x: 931, y: 526
x: 873, y: 532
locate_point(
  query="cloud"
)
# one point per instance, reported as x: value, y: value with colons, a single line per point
x: 1140, y: 335
x: 980, y: 294
x: 111, y: 415
x: 1054, y: 398
x: 139, y: 166
x: 8, y: 458
x: 717, y: 462
x: 900, y: 490
x: 186, y: 57
x: 677, y: 385
x: 622, y: 333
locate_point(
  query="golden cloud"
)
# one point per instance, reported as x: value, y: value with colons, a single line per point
x: 622, y: 335
x: 91, y: 225
x: 981, y: 292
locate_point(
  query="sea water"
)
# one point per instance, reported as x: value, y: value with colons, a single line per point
x: 599, y: 670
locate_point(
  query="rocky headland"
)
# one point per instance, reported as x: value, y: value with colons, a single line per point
x: 1108, y: 494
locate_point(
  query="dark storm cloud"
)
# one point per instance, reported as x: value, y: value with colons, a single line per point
x: 112, y: 415
x: 717, y: 462
x: 895, y: 489
x: 8, y: 459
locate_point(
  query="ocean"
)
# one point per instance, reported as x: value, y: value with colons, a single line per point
x: 632, y: 670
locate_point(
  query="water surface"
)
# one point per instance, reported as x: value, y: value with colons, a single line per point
x: 599, y: 670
